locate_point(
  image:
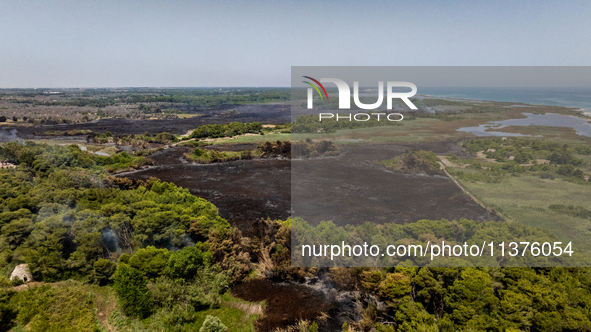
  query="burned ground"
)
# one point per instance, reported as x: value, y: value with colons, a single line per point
x: 352, y: 189
x: 287, y: 303
x: 266, y: 113
x: 348, y: 189
x: 244, y: 191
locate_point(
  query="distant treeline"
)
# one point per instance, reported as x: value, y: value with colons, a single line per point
x: 228, y: 130
x: 268, y: 149
x: 196, y: 97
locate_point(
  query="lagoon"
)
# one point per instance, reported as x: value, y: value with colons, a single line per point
x: 582, y: 126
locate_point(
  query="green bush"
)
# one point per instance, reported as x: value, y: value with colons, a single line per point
x: 575, y: 211
x: 17, y: 282
x: 547, y: 175
x: 103, y: 270
x: 213, y: 324
x: 130, y: 285
x: 124, y: 258
x: 150, y: 261
x: 313, y: 327
x: 185, y: 263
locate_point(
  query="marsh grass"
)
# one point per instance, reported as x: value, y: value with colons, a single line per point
x: 526, y: 199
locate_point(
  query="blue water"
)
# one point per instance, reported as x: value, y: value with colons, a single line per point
x: 580, y: 125
x: 569, y: 97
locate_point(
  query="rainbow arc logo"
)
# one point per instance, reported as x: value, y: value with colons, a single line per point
x: 315, y: 87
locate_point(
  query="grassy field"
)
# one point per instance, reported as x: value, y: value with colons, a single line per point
x: 232, y: 316
x: 415, y: 130
x: 185, y: 115
x: 420, y: 129
x: 254, y: 138
x: 526, y: 199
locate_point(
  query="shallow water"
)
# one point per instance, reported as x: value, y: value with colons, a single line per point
x: 582, y: 126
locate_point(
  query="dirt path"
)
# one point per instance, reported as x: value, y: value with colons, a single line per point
x: 448, y: 163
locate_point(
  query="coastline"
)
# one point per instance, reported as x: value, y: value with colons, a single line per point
x: 577, y: 98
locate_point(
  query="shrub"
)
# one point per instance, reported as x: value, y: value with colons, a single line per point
x: 150, y: 261
x: 575, y: 211
x: 314, y: 327
x: 103, y: 270
x: 48, y: 308
x: 185, y: 263
x: 569, y: 170
x: 124, y: 258
x: 547, y: 175
x: 17, y: 282
x: 4, y: 282
x: 132, y: 293
x: 213, y: 324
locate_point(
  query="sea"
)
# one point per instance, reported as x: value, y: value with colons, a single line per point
x: 569, y: 97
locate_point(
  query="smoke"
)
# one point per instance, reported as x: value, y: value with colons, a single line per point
x: 110, y: 241
x: 6, y: 136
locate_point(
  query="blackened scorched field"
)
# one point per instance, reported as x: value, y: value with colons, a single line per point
x: 268, y: 114
x: 348, y: 189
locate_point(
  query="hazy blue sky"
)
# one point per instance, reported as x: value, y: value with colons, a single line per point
x: 254, y: 43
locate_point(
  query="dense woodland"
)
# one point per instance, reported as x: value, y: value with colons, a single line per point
x: 168, y: 256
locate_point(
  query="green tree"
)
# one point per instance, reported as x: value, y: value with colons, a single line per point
x: 103, y: 270
x: 133, y: 295
x: 186, y: 262
x: 395, y: 288
x: 150, y: 261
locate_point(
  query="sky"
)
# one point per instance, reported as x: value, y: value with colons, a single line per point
x: 176, y: 43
